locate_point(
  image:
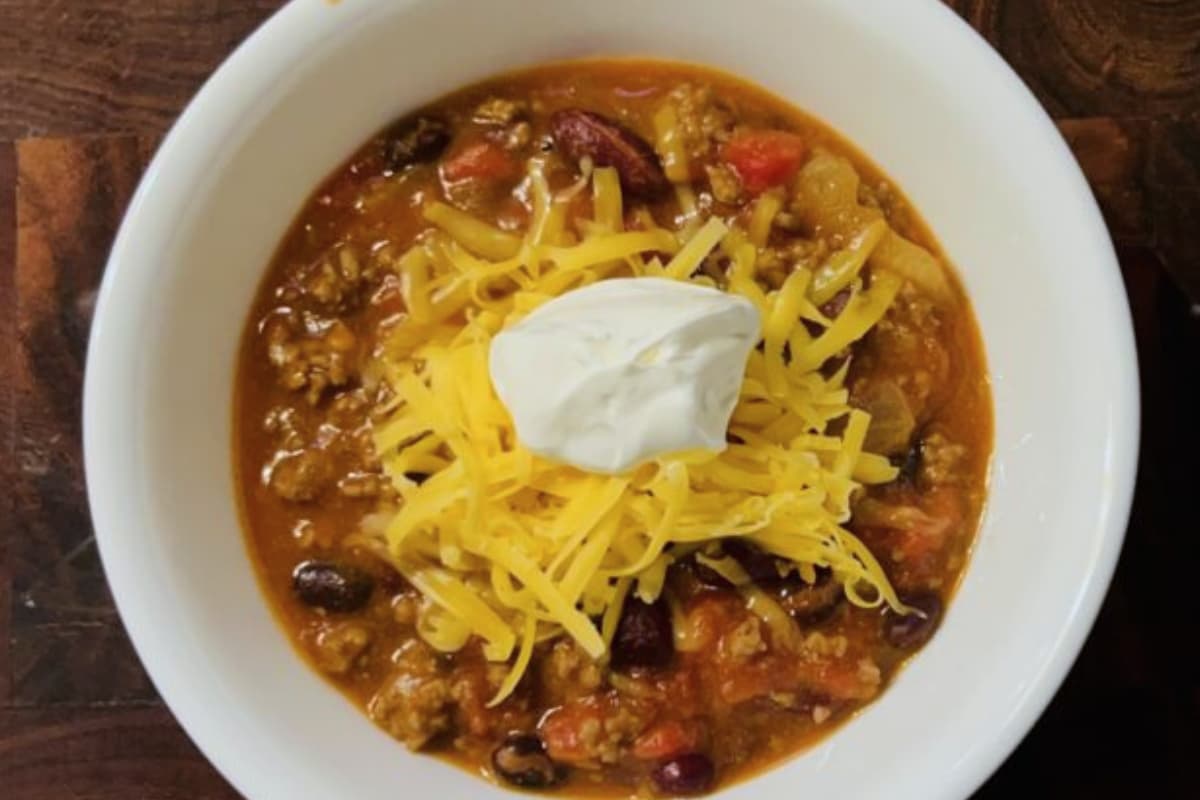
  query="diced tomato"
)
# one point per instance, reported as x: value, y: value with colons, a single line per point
x: 914, y: 544
x: 482, y: 160
x: 840, y: 679
x: 822, y: 674
x: 741, y: 682
x: 563, y: 730
x: 764, y: 158
x: 666, y: 739
x: 927, y: 532
x: 914, y: 534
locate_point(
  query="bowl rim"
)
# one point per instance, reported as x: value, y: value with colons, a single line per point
x: 236, y: 78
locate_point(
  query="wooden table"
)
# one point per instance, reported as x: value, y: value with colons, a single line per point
x: 87, y: 88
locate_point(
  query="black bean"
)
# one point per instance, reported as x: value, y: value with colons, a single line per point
x: 910, y: 631
x: 689, y: 576
x: 338, y: 588
x: 761, y: 566
x: 813, y: 603
x: 522, y: 761
x: 707, y: 576
x: 415, y: 141
x: 644, y: 637
x: 688, y: 774
x: 911, y: 460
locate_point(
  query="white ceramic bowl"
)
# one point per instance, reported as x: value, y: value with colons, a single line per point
x: 905, y: 80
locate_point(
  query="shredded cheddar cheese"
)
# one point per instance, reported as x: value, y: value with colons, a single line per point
x: 513, y: 549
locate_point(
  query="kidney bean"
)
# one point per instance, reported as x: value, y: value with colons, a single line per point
x: 522, y: 761
x: 687, y: 774
x: 644, y: 637
x: 608, y: 143
x: 910, y: 631
x: 338, y: 588
x: 911, y: 460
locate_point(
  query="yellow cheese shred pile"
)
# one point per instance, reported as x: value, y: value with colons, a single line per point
x: 513, y: 549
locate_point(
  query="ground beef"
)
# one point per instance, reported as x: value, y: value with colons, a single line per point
x: 510, y: 119
x: 500, y: 111
x: 909, y: 335
x: 415, y: 702
x: 406, y: 608
x: 301, y: 476
x: 705, y: 121
x: 568, y: 672
x: 518, y: 136
x: 775, y: 263
x: 337, y: 283
x: 472, y: 689
x: 724, y: 182
x: 361, y: 485
x: 818, y: 646
x: 285, y: 425
x: 595, y: 730
x: 941, y: 460
x: 308, y: 362
x: 348, y: 410
x: 743, y: 642
x: 869, y: 673
x: 338, y: 646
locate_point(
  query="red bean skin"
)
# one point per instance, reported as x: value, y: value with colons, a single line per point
x: 335, y: 588
x: 579, y: 133
x: 685, y: 775
x: 910, y: 631
x: 644, y: 637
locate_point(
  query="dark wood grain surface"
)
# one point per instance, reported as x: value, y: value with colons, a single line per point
x: 88, y: 87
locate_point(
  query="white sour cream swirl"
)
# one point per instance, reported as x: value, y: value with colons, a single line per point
x: 614, y: 374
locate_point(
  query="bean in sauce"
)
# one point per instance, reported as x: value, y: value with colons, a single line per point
x: 687, y: 774
x: 910, y: 631
x: 522, y: 761
x: 644, y: 637
x: 337, y: 588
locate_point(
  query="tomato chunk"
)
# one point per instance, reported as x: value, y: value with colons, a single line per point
x: 666, y: 739
x: 565, y: 731
x: 929, y: 527
x: 479, y: 161
x: 764, y: 158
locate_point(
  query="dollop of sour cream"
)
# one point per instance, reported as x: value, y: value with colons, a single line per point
x: 613, y: 374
